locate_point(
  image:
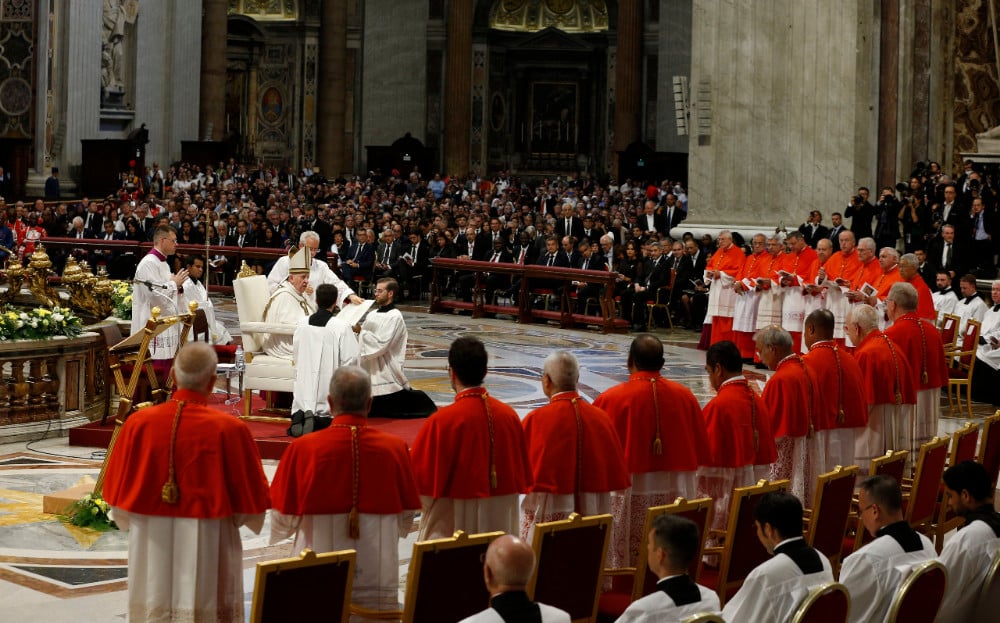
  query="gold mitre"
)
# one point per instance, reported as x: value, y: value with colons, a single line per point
x: 298, y: 261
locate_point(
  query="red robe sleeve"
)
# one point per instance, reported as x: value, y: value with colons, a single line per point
x: 730, y: 423
x: 885, y: 371
x: 924, y: 350
x: 790, y: 396
x: 840, y: 404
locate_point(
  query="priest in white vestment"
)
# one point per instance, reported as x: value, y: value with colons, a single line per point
x: 945, y: 299
x: 970, y: 305
x: 321, y: 344
x: 195, y: 290
x: 319, y: 272
x: 349, y: 486
x: 288, y: 305
x: 155, y: 286
x: 774, y: 590
x: 875, y: 572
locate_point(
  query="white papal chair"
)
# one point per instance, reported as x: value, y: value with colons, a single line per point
x: 263, y: 372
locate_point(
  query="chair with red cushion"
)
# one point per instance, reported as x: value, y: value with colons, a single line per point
x: 289, y: 589
x: 919, y: 596
x: 921, y: 495
x: 949, y: 330
x: 642, y: 581
x: 892, y: 463
x: 963, y: 362
x: 570, y: 563
x: 828, y: 603
x: 741, y: 550
x: 963, y: 448
x: 826, y: 521
x: 989, y: 449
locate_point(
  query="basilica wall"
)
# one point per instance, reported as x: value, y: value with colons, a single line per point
x: 976, y: 103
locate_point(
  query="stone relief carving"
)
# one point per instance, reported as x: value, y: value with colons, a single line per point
x: 112, y: 48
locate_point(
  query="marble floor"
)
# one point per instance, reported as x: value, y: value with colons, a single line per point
x: 65, y: 573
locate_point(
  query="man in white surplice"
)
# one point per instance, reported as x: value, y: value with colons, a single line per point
x: 194, y: 290
x: 319, y: 272
x: 873, y: 573
x: 775, y: 588
x: 321, y: 344
x: 349, y: 486
x: 155, y: 286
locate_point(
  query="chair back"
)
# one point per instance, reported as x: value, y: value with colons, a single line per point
x: 705, y: 617
x: 569, y: 558
x: 927, y: 481
x: 989, y: 597
x: 970, y: 341
x: 919, y: 596
x: 251, y: 295
x: 893, y: 463
x: 698, y: 511
x: 199, y: 327
x: 743, y: 551
x: 989, y: 449
x: 445, y: 580
x: 831, y: 510
x: 949, y: 330
x: 963, y: 444
x: 307, y: 588
x: 829, y: 603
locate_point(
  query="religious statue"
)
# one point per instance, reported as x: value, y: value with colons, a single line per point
x: 988, y: 142
x: 112, y: 47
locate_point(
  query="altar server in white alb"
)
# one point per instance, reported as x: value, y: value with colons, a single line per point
x: 775, y: 588
x: 195, y: 290
x: 382, y: 340
x: 155, y: 286
x: 319, y: 272
x: 288, y: 305
x: 873, y: 574
x: 507, y: 569
x: 672, y: 545
x: 322, y: 343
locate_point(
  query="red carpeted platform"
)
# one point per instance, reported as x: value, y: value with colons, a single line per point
x: 271, y: 437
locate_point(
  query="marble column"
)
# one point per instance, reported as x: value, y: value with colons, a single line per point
x: 213, y: 70
x: 888, y: 85
x: 330, y: 152
x: 458, y: 85
x: 628, y: 74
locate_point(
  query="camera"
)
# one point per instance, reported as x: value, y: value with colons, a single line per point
x: 974, y: 184
x: 903, y: 187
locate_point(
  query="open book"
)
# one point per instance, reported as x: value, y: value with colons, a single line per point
x: 353, y: 313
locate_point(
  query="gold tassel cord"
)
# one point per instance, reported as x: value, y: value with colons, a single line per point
x: 494, y: 481
x: 354, y: 519
x: 657, y: 441
x: 577, y: 503
x: 170, y: 493
x: 753, y: 419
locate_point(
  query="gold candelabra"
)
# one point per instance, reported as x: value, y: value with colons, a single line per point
x: 89, y: 293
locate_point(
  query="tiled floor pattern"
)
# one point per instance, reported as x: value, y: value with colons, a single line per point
x: 52, y: 568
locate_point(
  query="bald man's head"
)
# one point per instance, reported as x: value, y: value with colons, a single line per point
x: 509, y: 565
x: 818, y: 327
x: 646, y: 353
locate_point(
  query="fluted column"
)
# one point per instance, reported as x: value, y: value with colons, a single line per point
x: 458, y: 87
x: 888, y: 91
x: 213, y: 69
x: 330, y: 120
x: 628, y: 73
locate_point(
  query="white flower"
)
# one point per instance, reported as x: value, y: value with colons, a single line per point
x: 57, y: 316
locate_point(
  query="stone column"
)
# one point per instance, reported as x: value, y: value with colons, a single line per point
x: 213, y: 70
x: 332, y: 86
x: 887, y: 92
x: 458, y: 87
x: 628, y: 75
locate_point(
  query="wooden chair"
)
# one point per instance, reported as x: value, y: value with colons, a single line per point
x: 660, y: 301
x: 643, y: 582
x: 919, y: 596
x: 741, y: 551
x: 827, y: 520
x: 989, y: 597
x: 308, y: 588
x: 892, y: 463
x: 960, y: 373
x: 921, y: 503
x: 704, y: 618
x: 949, y: 330
x: 569, y: 558
x: 829, y: 603
x: 963, y: 448
x: 989, y: 448
x: 444, y: 583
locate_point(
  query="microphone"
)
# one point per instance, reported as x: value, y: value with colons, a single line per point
x: 150, y: 284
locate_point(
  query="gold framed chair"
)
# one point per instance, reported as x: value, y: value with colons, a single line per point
x: 963, y: 363
x: 921, y: 501
x: 827, y: 520
x: 706, y: 617
x: 989, y: 448
x: 989, y: 596
x: 949, y: 330
x: 892, y: 463
x: 919, y: 596
x: 829, y: 603
x: 308, y: 588
x: 569, y: 566
x: 963, y: 448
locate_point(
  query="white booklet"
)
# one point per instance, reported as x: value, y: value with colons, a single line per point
x: 352, y: 313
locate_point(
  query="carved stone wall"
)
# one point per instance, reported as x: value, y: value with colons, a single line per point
x: 977, y: 96
x: 18, y: 43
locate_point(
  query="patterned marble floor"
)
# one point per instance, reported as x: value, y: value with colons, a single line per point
x: 51, y: 568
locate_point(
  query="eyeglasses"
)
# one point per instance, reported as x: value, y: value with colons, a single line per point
x: 870, y: 506
x: 380, y: 290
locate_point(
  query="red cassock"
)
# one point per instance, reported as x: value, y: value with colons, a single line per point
x: 790, y: 396
x: 738, y: 424
x: 572, y: 448
x: 921, y: 344
x: 885, y: 281
x: 838, y: 376
x: 886, y: 371
x: 678, y: 418
x: 844, y: 266
x: 802, y: 264
x: 870, y: 273
x: 216, y: 463
x: 314, y: 476
x: 451, y: 454
x: 925, y: 299
x: 729, y: 261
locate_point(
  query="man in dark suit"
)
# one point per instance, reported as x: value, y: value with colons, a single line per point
x: 413, y: 268
x: 359, y: 258
x: 494, y: 281
x: 525, y: 252
x: 947, y: 253
x: 567, y: 224
x: 673, y: 213
x: 656, y: 275
x: 570, y: 250
x: 861, y: 212
x: 591, y: 230
x: 838, y: 226
x: 813, y: 229
x: 590, y: 258
x: 980, y: 231
x: 387, y: 255
x: 242, y: 237
x: 693, y: 299
x: 650, y: 222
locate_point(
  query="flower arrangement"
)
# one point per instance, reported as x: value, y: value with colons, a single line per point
x: 121, y: 299
x: 39, y: 324
x: 90, y: 512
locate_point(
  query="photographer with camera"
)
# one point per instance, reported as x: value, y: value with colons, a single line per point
x: 861, y: 213
x: 886, y: 218
x: 916, y: 219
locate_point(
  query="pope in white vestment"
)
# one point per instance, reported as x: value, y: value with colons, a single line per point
x: 287, y: 305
